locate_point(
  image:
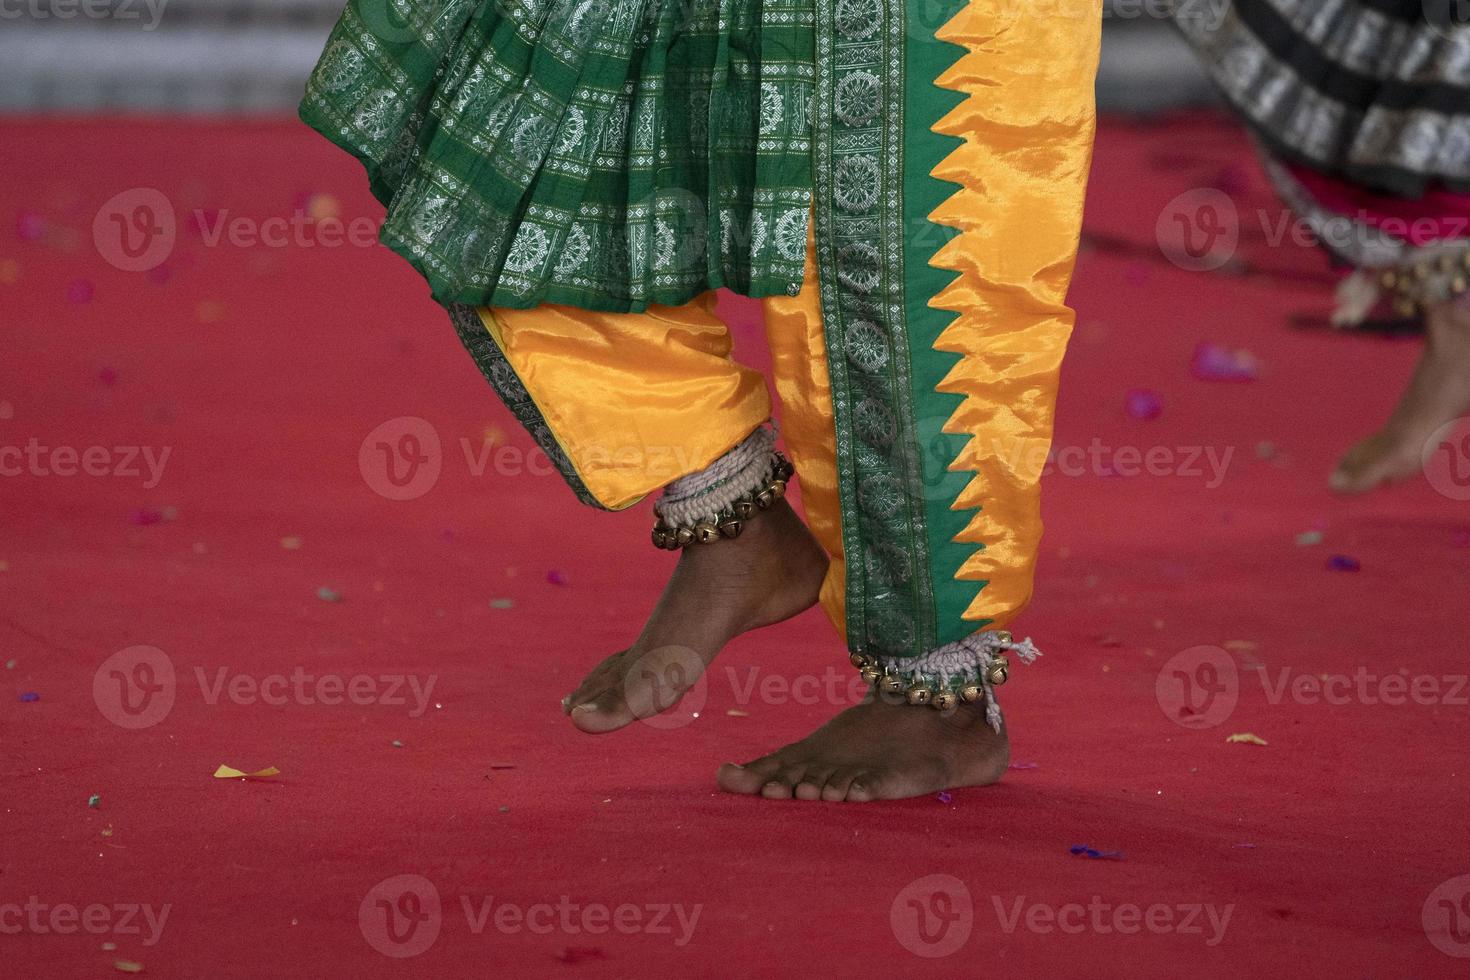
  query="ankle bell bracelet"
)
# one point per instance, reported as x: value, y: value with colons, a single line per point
x: 947, y: 689
x: 730, y: 521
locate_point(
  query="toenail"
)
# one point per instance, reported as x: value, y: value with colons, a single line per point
x: 588, y: 706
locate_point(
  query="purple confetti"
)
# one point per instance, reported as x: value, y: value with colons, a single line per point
x: 30, y: 696
x: 944, y: 796
x: 1082, y: 850
x: 556, y: 577
x: 1143, y: 403
x: 1211, y: 362
x: 144, y: 516
x: 1344, y: 563
x: 107, y: 376
x: 29, y: 226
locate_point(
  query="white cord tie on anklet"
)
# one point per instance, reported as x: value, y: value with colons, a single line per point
x: 703, y: 496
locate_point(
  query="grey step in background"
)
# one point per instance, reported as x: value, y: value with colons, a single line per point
x: 252, y: 56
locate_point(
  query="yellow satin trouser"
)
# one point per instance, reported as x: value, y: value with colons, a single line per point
x: 638, y: 400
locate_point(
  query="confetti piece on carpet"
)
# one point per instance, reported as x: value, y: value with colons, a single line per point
x: 94, y: 801
x: 1213, y: 362
x: 556, y: 577
x: 737, y: 713
x: 1244, y: 646
x: 502, y: 765
x: 1343, y: 563
x: 10, y: 664
x: 291, y: 543
x: 1265, y: 450
x: 576, y: 954
x: 30, y: 696
x: 322, y: 207
x: 128, y: 966
x: 326, y: 594
x: 80, y: 292
x: 1082, y: 850
x: 502, y: 603
x: 1143, y: 403
x: 1308, y: 538
x: 1248, y: 738
x: 944, y: 797
x: 1023, y: 765
x: 397, y: 744
x: 109, y: 947
x: 228, y: 772
x: 145, y: 516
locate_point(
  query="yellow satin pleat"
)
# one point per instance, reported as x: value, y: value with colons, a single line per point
x: 636, y: 400
x: 1027, y: 128
x: 799, y: 372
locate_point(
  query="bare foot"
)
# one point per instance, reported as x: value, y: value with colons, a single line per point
x: 771, y: 572
x: 879, y: 750
x: 1438, y: 392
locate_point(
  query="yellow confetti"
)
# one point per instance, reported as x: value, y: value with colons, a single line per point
x: 323, y: 206
x: 291, y: 543
x: 128, y: 966
x: 737, y: 713
x: 1249, y: 738
x: 494, y: 435
x: 226, y: 772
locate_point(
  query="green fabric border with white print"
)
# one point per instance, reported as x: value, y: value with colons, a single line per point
x: 874, y: 103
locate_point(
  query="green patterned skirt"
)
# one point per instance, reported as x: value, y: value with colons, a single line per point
x: 604, y: 154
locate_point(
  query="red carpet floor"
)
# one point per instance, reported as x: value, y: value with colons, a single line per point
x: 261, y: 369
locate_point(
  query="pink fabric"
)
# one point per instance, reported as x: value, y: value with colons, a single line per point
x: 1437, y: 216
